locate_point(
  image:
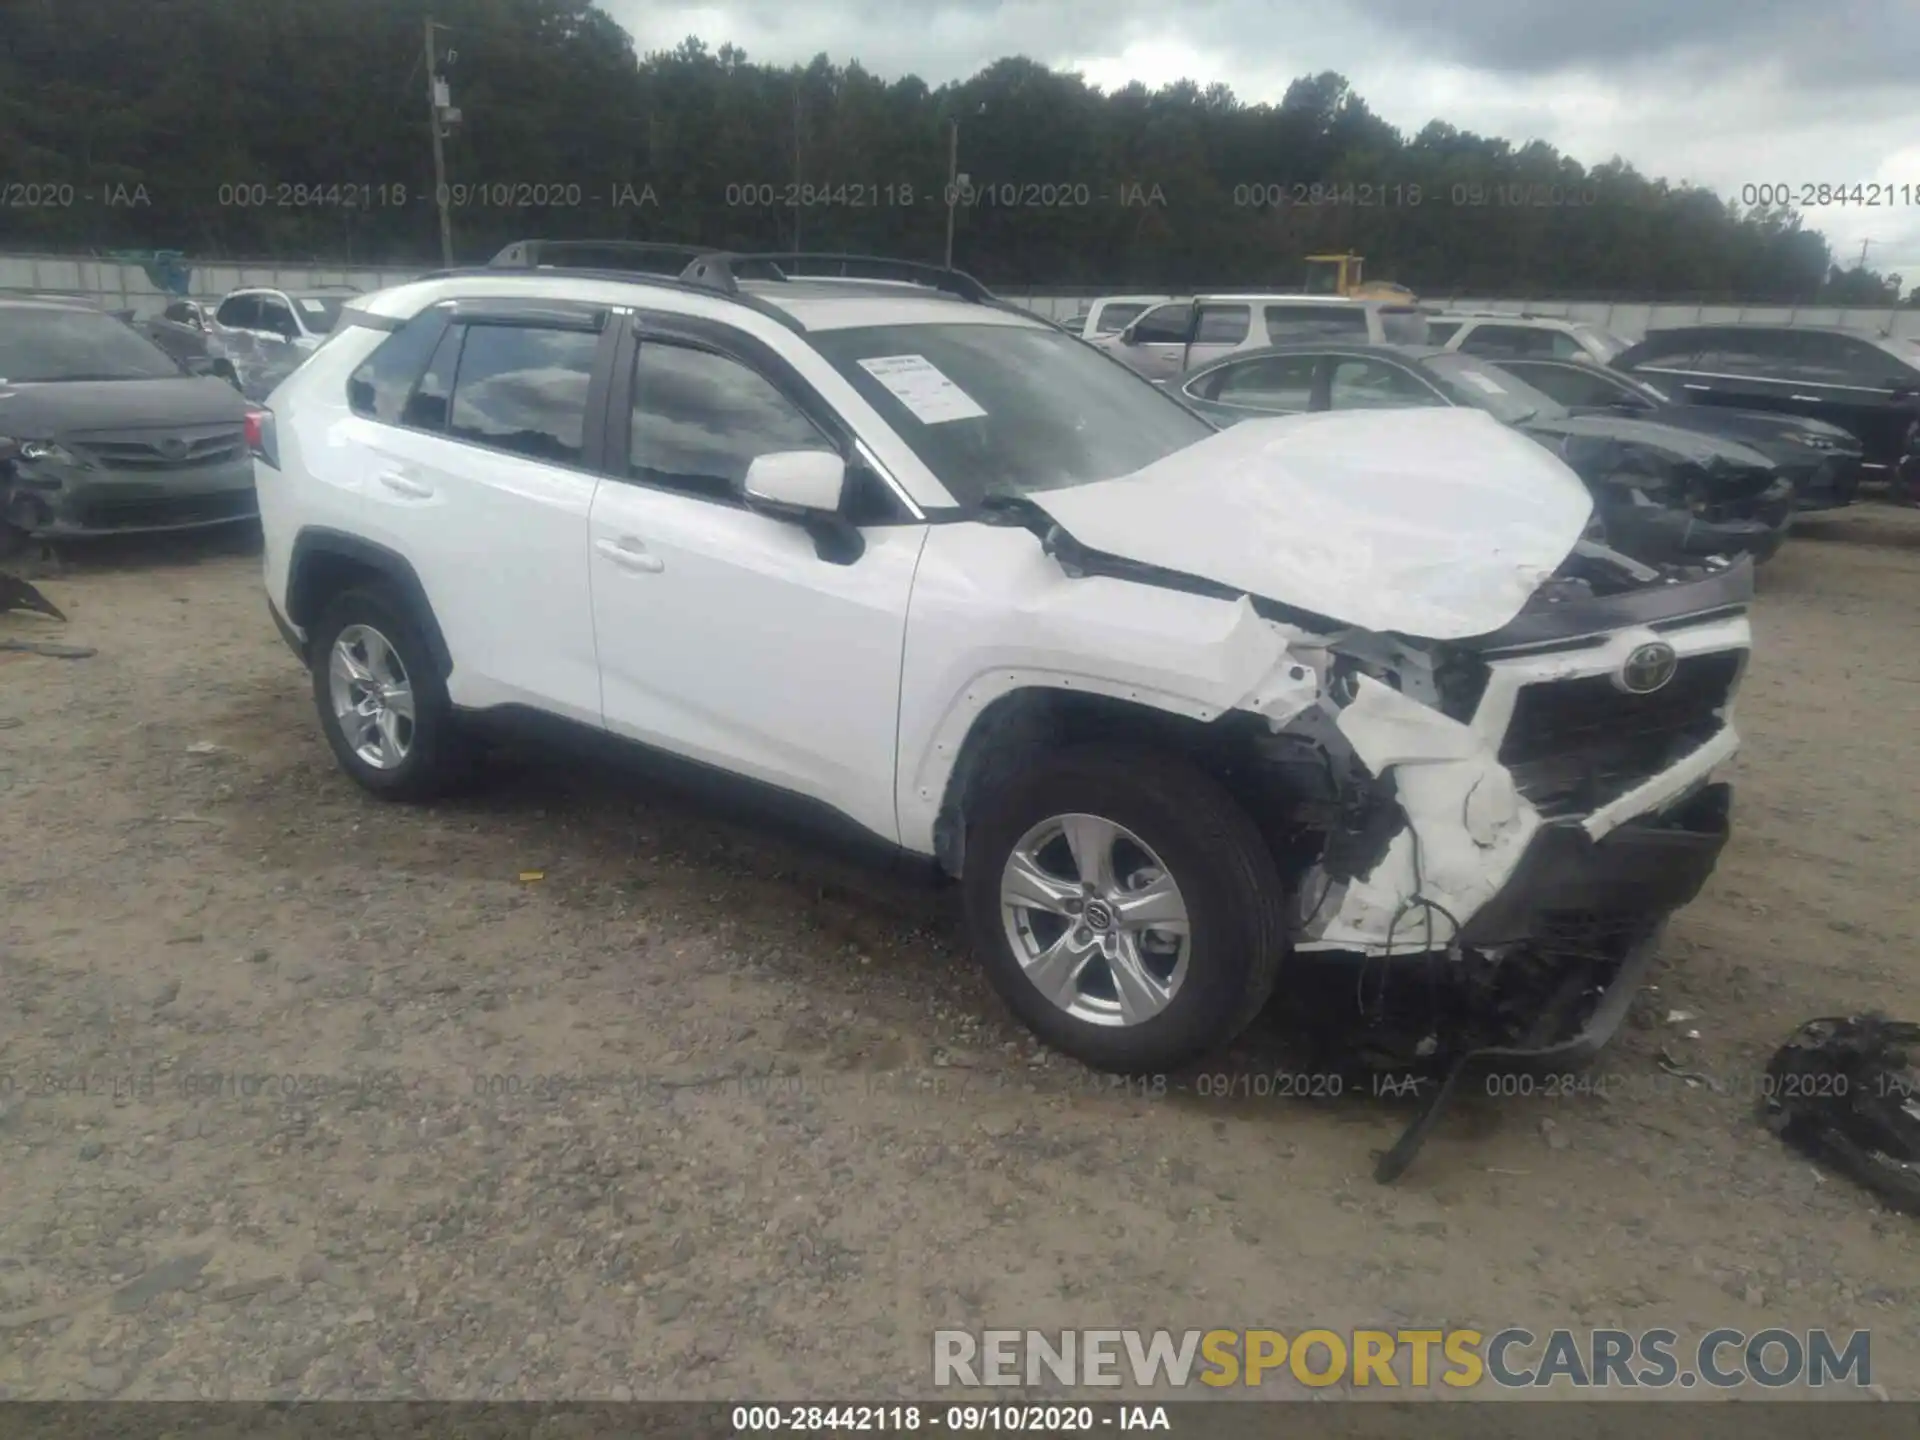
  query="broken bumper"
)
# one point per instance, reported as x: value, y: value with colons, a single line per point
x: 1648, y: 867
x: 77, y: 506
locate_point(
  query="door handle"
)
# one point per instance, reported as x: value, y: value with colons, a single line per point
x: 405, y: 485
x: 630, y: 554
x: 1809, y: 398
x: 1689, y: 385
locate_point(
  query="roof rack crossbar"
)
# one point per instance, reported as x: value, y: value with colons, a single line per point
x: 722, y: 270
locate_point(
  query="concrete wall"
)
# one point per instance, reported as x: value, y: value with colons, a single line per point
x: 122, y: 286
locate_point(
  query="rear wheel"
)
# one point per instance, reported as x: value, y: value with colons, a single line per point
x: 382, y: 704
x: 1125, y: 908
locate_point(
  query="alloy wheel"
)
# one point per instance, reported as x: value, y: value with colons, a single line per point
x: 1095, y: 919
x: 372, y: 697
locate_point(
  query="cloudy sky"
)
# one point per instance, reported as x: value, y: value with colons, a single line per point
x: 1720, y: 92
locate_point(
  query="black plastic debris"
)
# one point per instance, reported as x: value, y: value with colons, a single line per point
x: 17, y: 594
x: 1846, y: 1093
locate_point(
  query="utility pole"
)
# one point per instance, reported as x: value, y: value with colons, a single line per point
x: 1863, y: 253
x: 953, y: 179
x: 797, y: 207
x: 439, y: 110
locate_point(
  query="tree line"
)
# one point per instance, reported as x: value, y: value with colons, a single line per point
x: 298, y: 129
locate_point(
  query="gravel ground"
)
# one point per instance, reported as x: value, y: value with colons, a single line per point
x: 573, y: 1089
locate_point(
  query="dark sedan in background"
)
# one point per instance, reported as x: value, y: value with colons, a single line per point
x: 1822, y: 459
x: 102, y: 432
x: 1661, y: 493
x: 1869, y: 385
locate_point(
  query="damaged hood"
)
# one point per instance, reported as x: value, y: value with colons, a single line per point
x: 1432, y: 523
x: 51, y: 409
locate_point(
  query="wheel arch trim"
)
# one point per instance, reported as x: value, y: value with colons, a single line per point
x: 315, y: 545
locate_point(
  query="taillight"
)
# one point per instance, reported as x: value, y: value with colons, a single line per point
x: 260, y: 437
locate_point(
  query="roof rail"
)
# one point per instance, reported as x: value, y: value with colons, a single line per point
x: 722, y: 270
x: 618, y: 277
x: 599, y: 255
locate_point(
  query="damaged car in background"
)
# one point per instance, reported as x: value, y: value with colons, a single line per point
x: 1189, y: 714
x: 102, y: 433
x: 1661, y: 492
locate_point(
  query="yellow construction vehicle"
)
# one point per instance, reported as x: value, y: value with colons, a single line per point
x: 1340, y: 275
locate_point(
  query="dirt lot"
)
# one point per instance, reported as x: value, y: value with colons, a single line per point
x: 192, y: 897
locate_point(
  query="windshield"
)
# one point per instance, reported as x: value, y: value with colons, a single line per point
x: 1002, y: 410
x: 1603, y: 343
x: 1505, y: 397
x: 319, y: 313
x: 1903, y: 348
x: 45, y: 345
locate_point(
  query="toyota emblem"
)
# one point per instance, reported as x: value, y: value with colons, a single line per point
x: 173, y: 448
x: 1648, y: 668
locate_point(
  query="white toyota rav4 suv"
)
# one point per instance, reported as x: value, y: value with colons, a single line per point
x: 1179, y: 709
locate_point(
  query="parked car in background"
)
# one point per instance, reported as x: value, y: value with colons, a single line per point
x: 108, y: 433
x: 264, y: 335
x: 1822, y: 459
x: 1110, y: 314
x: 1868, y: 385
x: 1660, y: 493
x: 1172, y: 338
x: 182, y: 330
x: 1495, y: 336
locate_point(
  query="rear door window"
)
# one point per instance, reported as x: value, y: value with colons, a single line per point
x: 1222, y: 324
x: 523, y: 389
x: 1313, y: 322
x: 1281, y: 383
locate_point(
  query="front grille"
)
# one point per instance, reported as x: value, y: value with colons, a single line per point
x: 1574, y: 745
x: 139, y: 512
x: 186, y: 450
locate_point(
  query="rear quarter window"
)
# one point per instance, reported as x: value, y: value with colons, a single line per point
x: 380, y: 387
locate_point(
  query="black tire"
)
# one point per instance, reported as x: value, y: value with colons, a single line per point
x: 439, y: 758
x: 1235, y: 899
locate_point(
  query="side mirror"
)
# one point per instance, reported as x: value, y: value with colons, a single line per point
x: 805, y: 487
x: 809, y: 480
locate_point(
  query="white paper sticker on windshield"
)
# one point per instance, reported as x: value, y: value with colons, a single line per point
x: 1484, y: 382
x: 313, y: 307
x: 917, y: 384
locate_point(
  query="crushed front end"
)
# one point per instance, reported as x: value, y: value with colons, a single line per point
x: 1509, y: 820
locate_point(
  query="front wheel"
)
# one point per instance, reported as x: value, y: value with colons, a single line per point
x: 1125, y: 908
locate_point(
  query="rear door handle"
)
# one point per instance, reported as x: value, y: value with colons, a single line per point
x: 630, y: 554
x: 406, y: 485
